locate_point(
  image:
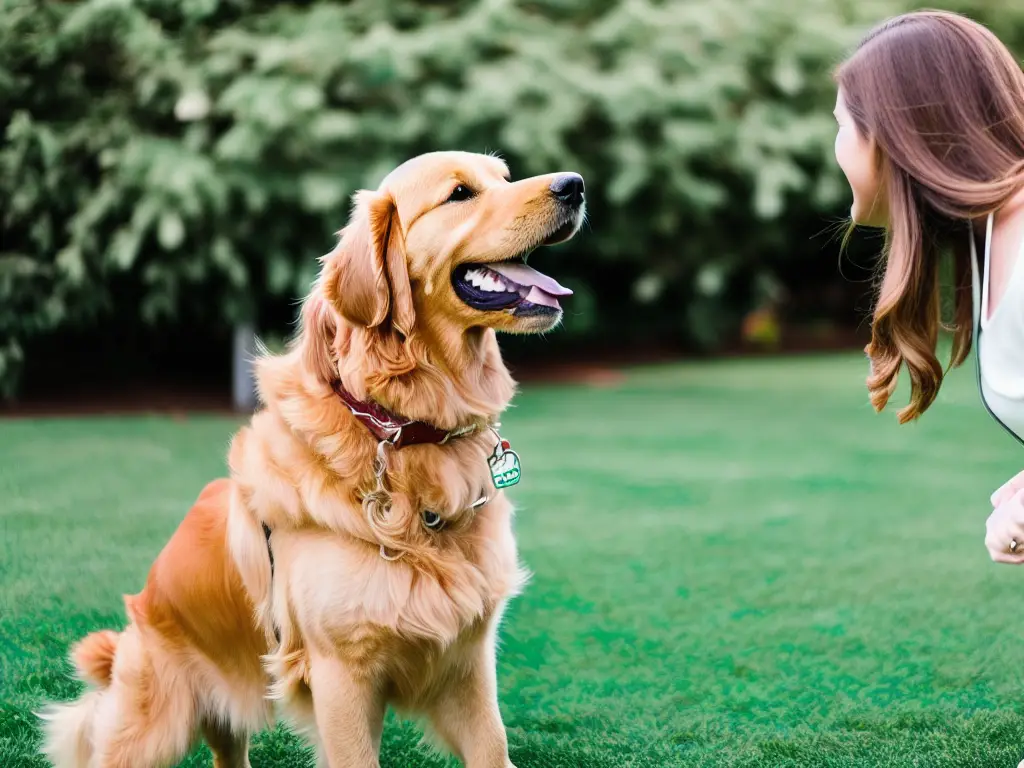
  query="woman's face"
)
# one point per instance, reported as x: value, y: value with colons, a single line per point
x: 857, y: 155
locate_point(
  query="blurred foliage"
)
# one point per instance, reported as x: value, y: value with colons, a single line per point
x: 191, y: 158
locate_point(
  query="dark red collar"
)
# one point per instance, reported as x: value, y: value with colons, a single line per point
x: 387, y: 427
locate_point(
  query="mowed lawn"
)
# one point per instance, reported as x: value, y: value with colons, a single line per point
x: 735, y: 564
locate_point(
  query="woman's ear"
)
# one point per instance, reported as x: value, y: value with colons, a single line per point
x: 366, y: 277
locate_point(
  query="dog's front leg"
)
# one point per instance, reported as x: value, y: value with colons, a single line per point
x: 467, y: 717
x: 349, y: 714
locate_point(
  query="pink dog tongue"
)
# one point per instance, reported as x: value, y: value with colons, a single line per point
x: 543, y: 289
x: 540, y: 296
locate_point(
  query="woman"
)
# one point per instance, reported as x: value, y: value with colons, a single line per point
x: 931, y: 139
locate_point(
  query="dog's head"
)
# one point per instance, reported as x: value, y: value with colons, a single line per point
x: 447, y: 234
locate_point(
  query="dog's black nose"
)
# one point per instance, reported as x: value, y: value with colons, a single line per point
x: 568, y: 187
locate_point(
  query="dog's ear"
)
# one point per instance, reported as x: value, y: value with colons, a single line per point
x: 319, y: 330
x: 367, y: 278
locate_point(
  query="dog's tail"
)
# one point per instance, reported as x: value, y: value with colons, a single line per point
x: 67, y: 728
x: 93, y: 657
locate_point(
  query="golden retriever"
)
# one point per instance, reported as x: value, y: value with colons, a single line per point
x: 361, y: 553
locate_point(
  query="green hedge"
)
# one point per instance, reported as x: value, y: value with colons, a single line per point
x: 159, y: 152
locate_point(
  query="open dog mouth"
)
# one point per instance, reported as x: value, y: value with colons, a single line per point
x: 512, y: 285
x: 508, y: 285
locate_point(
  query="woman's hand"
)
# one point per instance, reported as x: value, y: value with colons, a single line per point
x: 1005, y: 526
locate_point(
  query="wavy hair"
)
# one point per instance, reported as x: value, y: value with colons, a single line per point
x: 943, y: 100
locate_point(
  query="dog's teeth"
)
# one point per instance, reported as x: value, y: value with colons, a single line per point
x: 486, y: 280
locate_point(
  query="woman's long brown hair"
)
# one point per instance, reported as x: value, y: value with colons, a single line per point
x: 943, y: 99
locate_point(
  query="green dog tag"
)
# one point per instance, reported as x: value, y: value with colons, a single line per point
x: 504, y: 465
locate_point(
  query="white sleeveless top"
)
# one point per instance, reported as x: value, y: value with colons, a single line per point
x: 999, y: 340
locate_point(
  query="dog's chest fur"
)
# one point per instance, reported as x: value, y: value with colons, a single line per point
x: 335, y: 587
x: 407, y: 625
x: 409, y: 622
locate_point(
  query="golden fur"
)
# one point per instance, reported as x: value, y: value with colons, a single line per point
x: 358, y: 632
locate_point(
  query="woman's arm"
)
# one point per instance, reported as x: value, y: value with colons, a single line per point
x: 1007, y: 490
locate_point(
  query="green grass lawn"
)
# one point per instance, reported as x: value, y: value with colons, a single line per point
x: 736, y: 564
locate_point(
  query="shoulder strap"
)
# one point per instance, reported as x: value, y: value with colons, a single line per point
x: 983, y: 309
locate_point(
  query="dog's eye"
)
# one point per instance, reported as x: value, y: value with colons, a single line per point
x: 460, y: 193
x: 432, y: 520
